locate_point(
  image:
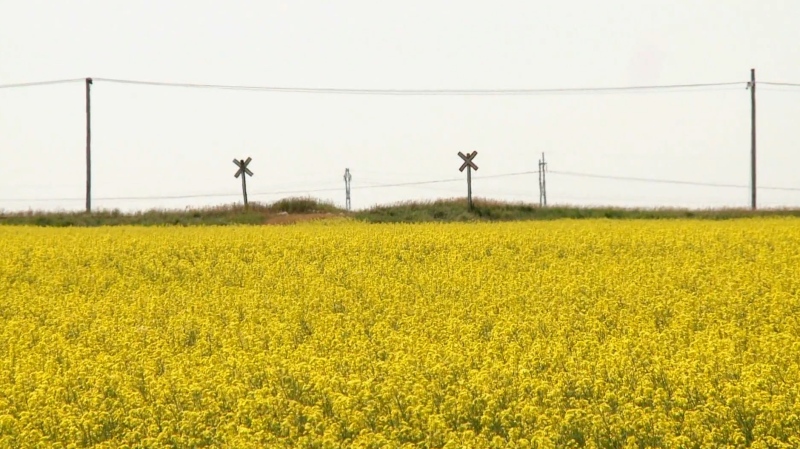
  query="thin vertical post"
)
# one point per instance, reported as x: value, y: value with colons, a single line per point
x: 347, y: 178
x: 243, y: 171
x: 244, y: 188
x: 88, y: 145
x: 469, y: 187
x: 544, y: 181
x: 753, y: 138
x: 469, y: 165
x: 540, y: 182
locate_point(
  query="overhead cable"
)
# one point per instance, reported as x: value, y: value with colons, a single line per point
x: 343, y: 91
x: 40, y: 83
x: 667, y: 181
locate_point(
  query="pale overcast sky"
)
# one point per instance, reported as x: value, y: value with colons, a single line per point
x: 169, y: 141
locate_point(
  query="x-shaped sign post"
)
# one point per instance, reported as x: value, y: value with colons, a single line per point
x: 243, y: 171
x: 469, y: 165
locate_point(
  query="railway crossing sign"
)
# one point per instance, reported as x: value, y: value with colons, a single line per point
x: 468, y: 160
x: 469, y: 165
x: 243, y: 171
x: 242, y: 167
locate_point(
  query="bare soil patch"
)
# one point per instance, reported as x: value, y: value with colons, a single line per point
x: 286, y: 219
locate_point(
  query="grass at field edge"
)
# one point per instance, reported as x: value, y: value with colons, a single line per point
x: 294, y: 210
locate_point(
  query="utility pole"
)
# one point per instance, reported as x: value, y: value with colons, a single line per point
x: 752, y: 86
x: 88, y: 146
x: 542, y: 182
x: 347, y: 178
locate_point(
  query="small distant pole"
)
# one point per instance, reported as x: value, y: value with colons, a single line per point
x: 243, y: 172
x: 542, y: 182
x: 347, y: 178
x: 469, y: 165
x: 88, y: 145
x: 753, y: 135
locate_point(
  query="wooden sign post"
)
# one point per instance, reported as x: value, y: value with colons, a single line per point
x: 469, y: 165
x: 243, y: 171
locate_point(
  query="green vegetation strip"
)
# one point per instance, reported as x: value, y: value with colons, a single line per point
x: 450, y: 210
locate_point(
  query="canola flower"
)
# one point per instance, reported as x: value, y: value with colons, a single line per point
x: 597, y: 334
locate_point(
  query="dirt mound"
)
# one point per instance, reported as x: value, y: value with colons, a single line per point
x: 286, y: 218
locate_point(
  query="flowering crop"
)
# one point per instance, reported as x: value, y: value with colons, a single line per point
x: 559, y: 334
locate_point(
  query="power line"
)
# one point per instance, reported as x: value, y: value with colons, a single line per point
x: 40, y: 83
x: 668, y: 181
x: 785, y: 189
x: 779, y: 84
x: 205, y: 195
x: 439, y: 181
x: 278, y: 192
x: 504, y: 175
x: 630, y: 178
x: 174, y: 197
x: 326, y: 90
x: 779, y: 89
x: 407, y: 184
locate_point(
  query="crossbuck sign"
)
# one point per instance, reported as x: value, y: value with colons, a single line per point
x: 243, y: 171
x: 469, y: 165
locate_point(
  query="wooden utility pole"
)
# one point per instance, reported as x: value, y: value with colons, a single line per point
x: 88, y: 145
x: 752, y: 86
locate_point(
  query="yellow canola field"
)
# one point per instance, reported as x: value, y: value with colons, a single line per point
x: 597, y: 334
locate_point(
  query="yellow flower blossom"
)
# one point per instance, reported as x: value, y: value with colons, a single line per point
x: 591, y: 333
